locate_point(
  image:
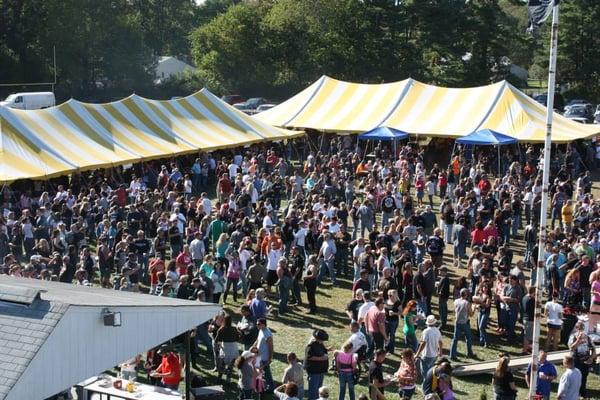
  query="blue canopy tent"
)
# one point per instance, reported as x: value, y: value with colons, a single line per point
x: 384, y: 133
x: 487, y: 137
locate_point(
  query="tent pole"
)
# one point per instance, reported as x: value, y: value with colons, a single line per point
x: 499, y: 166
x: 188, y: 374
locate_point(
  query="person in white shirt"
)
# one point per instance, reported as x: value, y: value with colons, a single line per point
x: 273, y: 257
x: 300, y: 239
x: 334, y: 227
x: 358, y: 339
x: 197, y: 249
x: 206, y: 204
x: 180, y: 218
x: 187, y: 186
x: 554, y: 315
x: 570, y: 380
x: 134, y: 187
x: 356, y: 252
x: 362, y: 311
x: 431, y: 346
x: 267, y: 222
x: 61, y: 194
x: 233, y: 169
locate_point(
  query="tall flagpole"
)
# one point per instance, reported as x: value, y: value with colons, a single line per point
x: 544, y: 210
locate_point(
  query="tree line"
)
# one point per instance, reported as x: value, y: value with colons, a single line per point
x: 273, y: 48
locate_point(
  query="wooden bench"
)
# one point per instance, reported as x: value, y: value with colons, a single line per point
x: 485, y: 367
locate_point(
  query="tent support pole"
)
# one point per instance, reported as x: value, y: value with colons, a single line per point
x: 188, y: 366
x: 499, y: 162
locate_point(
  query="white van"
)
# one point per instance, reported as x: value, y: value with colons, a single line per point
x: 30, y: 100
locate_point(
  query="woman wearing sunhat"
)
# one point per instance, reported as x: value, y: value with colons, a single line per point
x: 247, y: 374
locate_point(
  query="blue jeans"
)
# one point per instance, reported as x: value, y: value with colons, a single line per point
x: 460, y: 330
x: 516, y: 224
x: 448, y: 228
x: 373, y: 280
x: 370, y: 344
x: 411, y: 341
x: 202, y: 336
x: 346, y: 378
x: 505, y: 233
x: 443, y: 307
x: 284, y: 294
x: 315, y: 381
x: 511, y: 320
x: 268, y: 376
x: 422, y: 306
x: 246, y: 394
x: 391, y: 326
x: 406, y: 394
x: 482, y: 322
x: 385, y: 217
x: 328, y: 265
x: 296, y: 291
x: 425, y: 365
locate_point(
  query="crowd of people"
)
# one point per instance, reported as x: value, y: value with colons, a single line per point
x: 250, y: 229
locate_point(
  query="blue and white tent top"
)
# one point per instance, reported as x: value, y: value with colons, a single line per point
x: 486, y: 137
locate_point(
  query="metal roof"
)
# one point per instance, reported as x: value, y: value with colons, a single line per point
x: 85, y: 295
x: 30, y: 311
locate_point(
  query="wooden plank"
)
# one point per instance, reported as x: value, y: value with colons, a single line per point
x: 554, y: 357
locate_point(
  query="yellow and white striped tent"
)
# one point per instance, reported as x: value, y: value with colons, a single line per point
x: 76, y: 136
x: 418, y: 108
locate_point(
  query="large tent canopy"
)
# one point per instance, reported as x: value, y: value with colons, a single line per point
x: 76, y: 136
x: 418, y: 108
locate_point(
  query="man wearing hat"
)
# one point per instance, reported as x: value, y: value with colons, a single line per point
x: 430, y: 347
x: 316, y: 362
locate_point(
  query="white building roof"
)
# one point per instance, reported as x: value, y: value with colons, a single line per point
x: 52, y: 334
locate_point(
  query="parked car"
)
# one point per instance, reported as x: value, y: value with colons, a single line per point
x: 251, y: 104
x: 597, y: 112
x: 30, y: 100
x: 559, y: 101
x: 265, y: 107
x: 577, y: 102
x: 232, y: 99
x: 580, y: 113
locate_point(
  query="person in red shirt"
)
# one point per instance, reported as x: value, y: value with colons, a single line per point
x: 271, y: 161
x: 224, y: 188
x: 156, y: 265
x: 484, y: 185
x: 375, y: 324
x: 121, y: 194
x: 169, y: 370
x: 183, y: 260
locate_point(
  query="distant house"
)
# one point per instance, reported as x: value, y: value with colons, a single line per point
x: 168, y: 66
x: 519, y: 72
